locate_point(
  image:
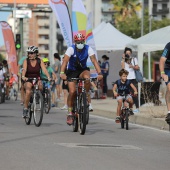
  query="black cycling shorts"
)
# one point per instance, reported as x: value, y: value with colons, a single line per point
x: 64, y: 86
x: 75, y: 73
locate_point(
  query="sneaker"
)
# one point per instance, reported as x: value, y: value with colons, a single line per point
x: 70, y: 119
x: 25, y: 113
x: 167, y: 119
x: 90, y: 108
x: 117, y: 120
x: 64, y: 107
x: 136, y: 111
x: 131, y: 112
x: 58, y: 100
x: 53, y: 105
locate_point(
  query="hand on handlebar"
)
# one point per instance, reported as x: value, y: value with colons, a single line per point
x: 99, y: 77
x: 165, y: 77
x: 63, y: 76
x: 24, y: 78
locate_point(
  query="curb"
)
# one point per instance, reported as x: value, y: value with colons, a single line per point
x: 135, y: 119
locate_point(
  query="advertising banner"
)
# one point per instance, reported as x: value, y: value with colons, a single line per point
x: 60, y: 9
x: 10, y: 46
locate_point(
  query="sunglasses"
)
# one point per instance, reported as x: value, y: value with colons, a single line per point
x: 31, y: 53
x: 45, y: 63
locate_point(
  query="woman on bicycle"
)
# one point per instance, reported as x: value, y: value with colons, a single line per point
x: 31, y: 69
x: 121, y: 89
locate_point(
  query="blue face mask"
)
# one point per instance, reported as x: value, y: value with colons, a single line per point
x: 80, y: 46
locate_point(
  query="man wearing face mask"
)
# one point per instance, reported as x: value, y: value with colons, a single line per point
x: 76, y: 57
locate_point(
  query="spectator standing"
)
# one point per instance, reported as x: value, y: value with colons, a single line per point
x: 105, y: 72
x: 130, y: 64
x: 57, y: 67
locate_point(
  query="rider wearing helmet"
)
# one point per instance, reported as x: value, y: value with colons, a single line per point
x: 49, y: 69
x: 76, y: 57
x: 31, y: 69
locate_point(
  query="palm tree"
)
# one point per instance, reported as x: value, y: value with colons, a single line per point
x: 125, y: 8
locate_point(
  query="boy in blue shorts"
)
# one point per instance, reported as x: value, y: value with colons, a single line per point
x: 122, y: 88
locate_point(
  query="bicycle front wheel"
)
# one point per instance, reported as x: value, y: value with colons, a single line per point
x: 38, y: 108
x: 48, y: 102
x: 82, y: 113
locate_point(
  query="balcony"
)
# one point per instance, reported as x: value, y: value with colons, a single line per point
x: 160, y: 1
x: 43, y: 41
x: 42, y: 22
x: 43, y: 31
x: 164, y: 11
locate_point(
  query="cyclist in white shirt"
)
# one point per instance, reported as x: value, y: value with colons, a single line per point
x: 76, y: 57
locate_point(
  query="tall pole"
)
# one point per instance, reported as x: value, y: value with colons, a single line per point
x: 142, y: 17
x: 150, y: 28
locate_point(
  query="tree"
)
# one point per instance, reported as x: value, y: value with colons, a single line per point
x: 125, y: 9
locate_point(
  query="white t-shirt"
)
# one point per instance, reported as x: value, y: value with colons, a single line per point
x: 131, y: 71
x: 2, y: 74
x: 70, y: 51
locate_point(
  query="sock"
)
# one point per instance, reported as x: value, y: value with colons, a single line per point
x: 89, y: 104
x: 70, y: 109
x: 169, y: 111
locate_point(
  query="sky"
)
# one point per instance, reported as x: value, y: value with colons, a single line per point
x: 3, y: 17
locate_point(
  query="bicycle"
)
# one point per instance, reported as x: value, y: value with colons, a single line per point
x: 13, y: 93
x: 2, y: 91
x: 125, y: 113
x: 80, y: 107
x: 35, y: 106
x: 46, y: 96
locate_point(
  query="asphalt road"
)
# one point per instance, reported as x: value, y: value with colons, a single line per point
x: 53, y: 145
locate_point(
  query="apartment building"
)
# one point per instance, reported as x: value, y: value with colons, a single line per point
x: 161, y: 8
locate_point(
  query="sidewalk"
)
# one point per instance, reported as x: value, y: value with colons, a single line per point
x: 149, y: 115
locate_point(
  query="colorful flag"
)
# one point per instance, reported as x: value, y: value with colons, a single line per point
x: 60, y: 9
x: 91, y: 43
x: 10, y: 46
x: 79, y: 17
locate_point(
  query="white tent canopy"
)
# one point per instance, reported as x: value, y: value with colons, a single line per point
x: 153, y: 41
x: 108, y: 38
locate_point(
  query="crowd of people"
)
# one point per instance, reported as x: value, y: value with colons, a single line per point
x: 74, y: 65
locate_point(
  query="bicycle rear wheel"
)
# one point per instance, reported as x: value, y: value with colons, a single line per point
x: 82, y: 113
x: 75, y: 118
x: 28, y: 119
x: 87, y: 115
x: 48, y: 101
x: 38, y: 108
x: 127, y: 119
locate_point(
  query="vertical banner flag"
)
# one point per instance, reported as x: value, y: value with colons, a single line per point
x: 82, y: 24
x: 91, y: 43
x: 10, y: 47
x: 79, y: 17
x: 59, y: 7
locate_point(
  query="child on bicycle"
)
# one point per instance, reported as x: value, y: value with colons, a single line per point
x: 121, y: 89
x: 50, y: 71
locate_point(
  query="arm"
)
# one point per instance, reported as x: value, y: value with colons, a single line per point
x: 134, y: 88
x: 161, y: 68
x: 24, y: 70
x: 114, y: 90
x: 97, y: 67
x: 63, y: 66
x: 54, y: 76
x: 44, y: 69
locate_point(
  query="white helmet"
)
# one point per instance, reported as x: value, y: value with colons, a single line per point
x: 33, y: 49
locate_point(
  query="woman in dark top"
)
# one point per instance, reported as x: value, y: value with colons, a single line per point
x: 31, y: 69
